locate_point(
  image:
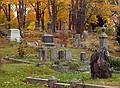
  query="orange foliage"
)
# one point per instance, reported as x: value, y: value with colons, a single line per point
x: 63, y: 37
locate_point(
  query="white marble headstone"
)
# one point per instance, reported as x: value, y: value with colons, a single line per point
x: 15, y: 35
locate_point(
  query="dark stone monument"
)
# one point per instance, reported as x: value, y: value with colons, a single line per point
x: 61, y: 54
x: 99, y: 65
x: 82, y: 56
x: 42, y: 54
x: 48, y: 40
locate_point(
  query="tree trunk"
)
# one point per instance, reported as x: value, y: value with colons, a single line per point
x: 49, y: 11
x: 73, y: 14
x: 6, y: 9
x: 60, y: 23
x: 70, y: 23
x: 42, y: 20
x: 38, y: 16
x: 54, y: 14
x: 21, y: 11
x: 24, y: 22
x: 9, y: 18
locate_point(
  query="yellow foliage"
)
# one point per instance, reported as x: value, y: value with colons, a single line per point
x: 31, y: 15
x: 105, y: 9
x: 109, y: 23
x: 94, y: 19
x: 31, y: 26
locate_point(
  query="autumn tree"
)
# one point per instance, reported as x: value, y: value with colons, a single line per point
x: 21, y: 12
x: 52, y: 12
x: 6, y: 7
x: 39, y: 7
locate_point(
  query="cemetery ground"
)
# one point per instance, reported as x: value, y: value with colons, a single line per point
x: 12, y: 75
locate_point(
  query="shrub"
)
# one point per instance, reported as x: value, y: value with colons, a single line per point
x: 115, y: 63
x: 63, y: 37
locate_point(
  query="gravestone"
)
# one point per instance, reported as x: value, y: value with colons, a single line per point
x: 48, y: 38
x: 76, y: 42
x: 54, y: 55
x: 83, y: 56
x: 84, y: 37
x: 103, y: 39
x: 61, y: 54
x: 42, y: 54
x: 69, y: 54
x: 15, y: 35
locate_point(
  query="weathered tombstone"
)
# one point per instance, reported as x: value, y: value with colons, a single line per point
x: 54, y: 55
x: 76, y: 42
x: 42, y: 54
x: 85, y: 37
x: 103, y: 39
x: 99, y: 65
x: 69, y: 54
x: 61, y: 54
x: 83, y: 56
x: 15, y: 35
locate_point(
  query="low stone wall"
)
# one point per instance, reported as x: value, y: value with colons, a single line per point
x: 36, y: 80
x: 18, y: 61
x: 54, y: 83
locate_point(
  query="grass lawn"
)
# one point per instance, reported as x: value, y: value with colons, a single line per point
x: 12, y: 76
